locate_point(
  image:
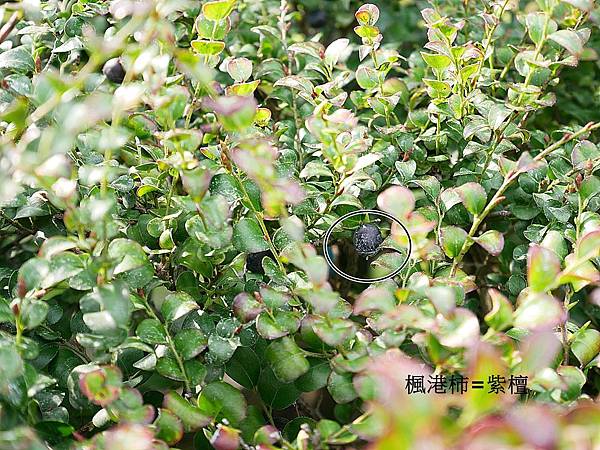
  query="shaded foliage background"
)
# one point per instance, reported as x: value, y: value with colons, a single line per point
x: 169, y: 168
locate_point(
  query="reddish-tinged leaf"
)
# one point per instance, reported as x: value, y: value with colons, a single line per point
x: 536, y: 424
x: 472, y: 196
x: 538, y: 351
x: 526, y: 163
x: 460, y: 329
x: 246, y: 308
x: 388, y: 373
x: 169, y: 427
x: 225, y: 438
x: 492, y: 241
x: 595, y: 297
x: 443, y: 299
x: 500, y: 316
x: 240, y: 69
x: 367, y: 14
x: 101, y: 386
x: 267, y: 434
x: 397, y: 200
x: 543, y: 267
x: 334, y: 332
x: 588, y: 246
x: 335, y: 50
x: 452, y: 240
x: 484, y: 361
x: 130, y: 436
x: 235, y: 113
x: 555, y: 241
x: 374, y: 298
x: 538, y: 311
x: 579, y: 273
x: 196, y: 182
x: 144, y: 414
x: 277, y: 324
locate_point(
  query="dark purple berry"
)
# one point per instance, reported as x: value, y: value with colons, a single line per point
x: 367, y: 239
x: 254, y: 261
x: 113, y: 70
x: 317, y: 19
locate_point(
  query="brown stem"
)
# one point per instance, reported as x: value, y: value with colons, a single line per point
x: 9, y: 25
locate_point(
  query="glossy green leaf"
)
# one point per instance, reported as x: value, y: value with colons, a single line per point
x: 208, y: 47
x: 248, y: 237
x: 191, y: 416
x: 221, y: 400
x: 244, y: 367
x: 586, y: 345
x: 473, y: 197
x: 274, y: 393
x: 500, y: 315
x: 286, y: 360
x: 436, y: 61
x: 177, y: 305
x: 316, y: 377
x: 107, y: 308
x: 367, y: 78
x: 453, y: 239
x: 538, y: 311
x: 17, y: 59
x: 217, y: 10
x: 169, y: 427
x: 543, y: 268
x: 277, y: 324
x: 190, y: 342
x: 492, y: 241
x: 151, y: 331
x: 34, y: 313
x: 569, y: 40
x: 341, y: 388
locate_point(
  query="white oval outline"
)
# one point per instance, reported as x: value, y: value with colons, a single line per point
x: 376, y: 212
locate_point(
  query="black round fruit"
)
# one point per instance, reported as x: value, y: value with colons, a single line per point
x: 114, y: 71
x: 317, y: 19
x: 367, y: 239
x: 254, y: 261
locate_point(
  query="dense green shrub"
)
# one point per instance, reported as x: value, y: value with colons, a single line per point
x: 169, y: 169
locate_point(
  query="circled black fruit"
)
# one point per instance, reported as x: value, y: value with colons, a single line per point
x: 367, y: 239
x: 114, y: 71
